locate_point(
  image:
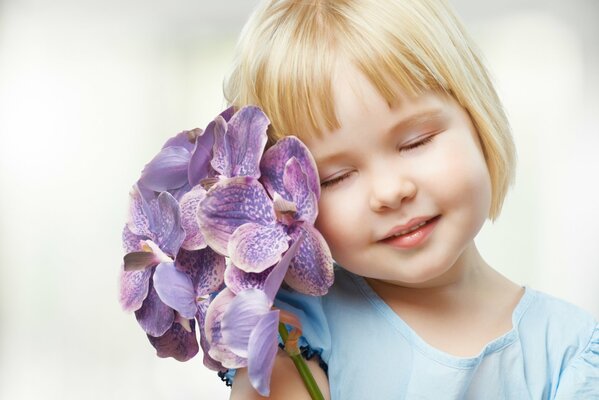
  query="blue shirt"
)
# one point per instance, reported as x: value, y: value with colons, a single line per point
x: 552, y: 351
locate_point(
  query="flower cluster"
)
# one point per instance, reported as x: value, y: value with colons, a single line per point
x: 215, y: 226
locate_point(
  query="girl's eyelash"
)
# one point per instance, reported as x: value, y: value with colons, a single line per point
x: 419, y: 143
x: 335, y: 181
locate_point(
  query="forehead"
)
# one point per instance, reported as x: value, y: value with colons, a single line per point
x: 362, y: 110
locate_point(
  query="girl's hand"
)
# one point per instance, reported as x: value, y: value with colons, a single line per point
x: 285, y: 383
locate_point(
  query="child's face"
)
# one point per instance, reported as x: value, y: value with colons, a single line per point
x: 382, y: 183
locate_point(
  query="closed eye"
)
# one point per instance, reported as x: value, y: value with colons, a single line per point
x: 422, y: 142
x: 334, y: 181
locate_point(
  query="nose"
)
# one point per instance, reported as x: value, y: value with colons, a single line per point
x: 389, y: 188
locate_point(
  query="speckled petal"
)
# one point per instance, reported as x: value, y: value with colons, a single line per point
x: 239, y: 146
x: 176, y: 343
x: 275, y: 278
x: 154, y: 316
x: 200, y: 163
x: 218, y: 350
x: 255, y: 247
x: 275, y: 158
x: 263, y: 347
x: 296, y: 184
x: 237, y: 279
x: 131, y: 241
x: 209, y: 362
x: 140, y: 216
x: 205, y: 268
x: 190, y: 202
x: 167, y: 170
x: 133, y: 288
x: 311, y: 270
x: 220, y: 156
x: 175, y: 289
x: 228, y: 205
x: 240, y: 318
x: 168, y: 230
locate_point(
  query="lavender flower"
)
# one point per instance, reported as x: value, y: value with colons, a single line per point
x: 214, y: 228
x: 253, y: 226
x: 243, y: 330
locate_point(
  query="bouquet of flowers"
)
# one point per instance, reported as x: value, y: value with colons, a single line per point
x: 215, y: 226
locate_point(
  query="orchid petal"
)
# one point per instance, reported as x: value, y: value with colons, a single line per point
x: 255, y: 247
x: 274, y: 160
x: 133, y: 288
x: 199, y: 163
x: 204, y: 267
x: 263, y: 347
x: 238, y: 148
x: 240, y: 318
x: 296, y: 184
x: 154, y: 316
x: 311, y: 270
x: 194, y: 239
x: 220, y: 150
x: 141, y: 214
x: 131, y: 241
x: 218, y: 350
x: 208, y: 361
x: 178, y: 193
x: 275, y: 278
x: 228, y: 205
x: 167, y: 170
x: 168, y: 231
x: 185, y: 139
x: 237, y: 279
x: 176, y: 343
x: 175, y: 289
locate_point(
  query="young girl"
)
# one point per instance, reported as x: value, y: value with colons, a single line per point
x: 414, y: 153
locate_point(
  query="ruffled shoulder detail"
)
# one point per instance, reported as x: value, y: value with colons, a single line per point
x: 580, y: 378
x: 316, y: 337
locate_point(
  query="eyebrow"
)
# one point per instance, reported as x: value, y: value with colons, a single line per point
x: 415, y: 119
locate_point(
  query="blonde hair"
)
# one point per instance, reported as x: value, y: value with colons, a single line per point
x: 284, y: 64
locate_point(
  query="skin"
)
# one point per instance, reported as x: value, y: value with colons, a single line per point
x: 375, y: 175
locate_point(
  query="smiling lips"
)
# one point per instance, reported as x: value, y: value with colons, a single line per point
x: 411, y: 234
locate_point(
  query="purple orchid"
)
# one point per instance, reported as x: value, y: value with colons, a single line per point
x: 253, y: 225
x: 183, y: 161
x: 242, y: 329
x: 215, y: 226
x: 151, y: 237
x: 238, y: 145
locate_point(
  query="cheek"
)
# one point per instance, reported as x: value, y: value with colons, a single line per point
x: 337, y: 219
x: 468, y: 184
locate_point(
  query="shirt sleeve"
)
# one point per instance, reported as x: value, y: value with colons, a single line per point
x: 315, y: 339
x: 580, y: 379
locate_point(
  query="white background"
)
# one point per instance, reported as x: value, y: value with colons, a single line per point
x: 90, y: 90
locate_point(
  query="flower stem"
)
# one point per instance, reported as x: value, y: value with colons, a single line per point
x: 302, y: 368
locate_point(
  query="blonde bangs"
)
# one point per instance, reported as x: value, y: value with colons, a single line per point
x: 289, y: 50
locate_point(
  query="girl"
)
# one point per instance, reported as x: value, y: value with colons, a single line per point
x: 414, y: 153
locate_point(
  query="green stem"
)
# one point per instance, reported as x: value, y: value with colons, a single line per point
x: 302, y: 368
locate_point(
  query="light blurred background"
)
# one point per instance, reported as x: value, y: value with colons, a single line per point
x: 90, y: 90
